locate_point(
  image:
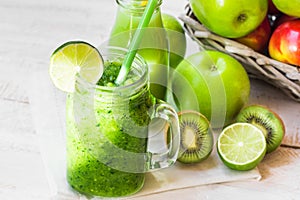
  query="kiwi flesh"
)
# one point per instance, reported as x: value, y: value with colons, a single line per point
x: 196, y: 142
x: 267, y: 121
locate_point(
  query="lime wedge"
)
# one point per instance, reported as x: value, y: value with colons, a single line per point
x: 75, y: 57
x: 241, y: 146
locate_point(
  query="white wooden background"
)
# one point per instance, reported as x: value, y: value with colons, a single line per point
x: 30, y: 30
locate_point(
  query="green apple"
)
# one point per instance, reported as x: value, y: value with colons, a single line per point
x: 176, y: 37
x: 212, y: 83
x: 230, y: 18
x: 289, y: 7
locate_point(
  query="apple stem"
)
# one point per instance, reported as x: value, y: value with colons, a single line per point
x: 242, y: 17
x: 213, y: 68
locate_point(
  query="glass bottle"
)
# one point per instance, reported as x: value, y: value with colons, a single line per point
x: 154, y: 46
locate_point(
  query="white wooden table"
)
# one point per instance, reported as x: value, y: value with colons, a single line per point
x: 30, y: 30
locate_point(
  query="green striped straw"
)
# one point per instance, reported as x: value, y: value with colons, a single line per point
x: 136, y: 40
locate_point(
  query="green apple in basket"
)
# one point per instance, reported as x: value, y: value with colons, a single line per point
x: 289, y: 7
x: 230, y: 18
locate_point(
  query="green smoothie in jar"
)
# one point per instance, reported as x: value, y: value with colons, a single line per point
x: 107, y: 131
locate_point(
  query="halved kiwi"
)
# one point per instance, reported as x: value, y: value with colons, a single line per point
x: 267, y: 120
x: 196, y: 141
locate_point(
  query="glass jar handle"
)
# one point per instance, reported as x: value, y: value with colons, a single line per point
x: 162, y: 110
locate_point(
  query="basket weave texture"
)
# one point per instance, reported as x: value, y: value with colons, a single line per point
x: 283, y: 76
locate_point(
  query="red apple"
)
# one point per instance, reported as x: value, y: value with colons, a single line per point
x: 258, y: 39
x: 272, y: 8
x: 284, y: 43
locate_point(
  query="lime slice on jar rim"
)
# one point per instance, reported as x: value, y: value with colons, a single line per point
x: 241, y: 146
x: 75, y: 57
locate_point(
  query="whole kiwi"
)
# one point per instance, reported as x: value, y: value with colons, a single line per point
x: 196, y: 137
x: 266, y: 120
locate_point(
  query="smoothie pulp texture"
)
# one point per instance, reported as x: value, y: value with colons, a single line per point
x: 107, y: 132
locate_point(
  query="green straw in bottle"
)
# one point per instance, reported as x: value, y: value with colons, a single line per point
x: 145, y: 20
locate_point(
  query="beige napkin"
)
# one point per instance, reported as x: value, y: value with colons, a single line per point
x: 47, y: 105
x: 180, y: 175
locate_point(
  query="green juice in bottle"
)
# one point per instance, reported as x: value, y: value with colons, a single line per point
x: 154, y: 45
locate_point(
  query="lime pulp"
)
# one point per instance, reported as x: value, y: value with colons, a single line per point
x: 241, y: 146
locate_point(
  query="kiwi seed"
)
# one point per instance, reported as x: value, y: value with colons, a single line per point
x: 268, y: 121
x: 196, y: 137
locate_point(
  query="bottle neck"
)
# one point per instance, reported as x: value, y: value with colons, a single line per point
x: 137, y: 6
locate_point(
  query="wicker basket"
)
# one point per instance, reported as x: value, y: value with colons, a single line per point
x: 281, y: 75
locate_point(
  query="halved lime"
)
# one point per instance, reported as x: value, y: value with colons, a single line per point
x: 75, y: 57
x: 241, y: 146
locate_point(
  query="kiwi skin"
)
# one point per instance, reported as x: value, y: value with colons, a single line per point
x: 267, y: 121
x: 196, y: 126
